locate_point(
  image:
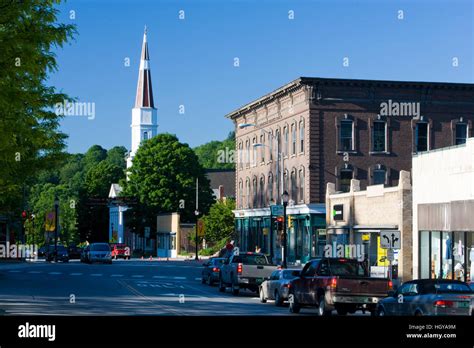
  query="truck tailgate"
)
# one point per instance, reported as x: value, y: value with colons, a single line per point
x: 257, y: 271
x: 362, y: 286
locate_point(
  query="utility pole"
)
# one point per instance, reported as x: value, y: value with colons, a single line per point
x: 196, y: 212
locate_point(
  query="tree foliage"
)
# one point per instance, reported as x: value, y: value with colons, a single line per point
x: 31, y: 140
x: 163, y: 177
x: 219, y: 222
x: 218, y: 154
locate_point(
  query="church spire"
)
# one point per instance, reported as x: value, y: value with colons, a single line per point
x: 144, y: 97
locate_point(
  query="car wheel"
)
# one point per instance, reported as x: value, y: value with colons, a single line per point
x: 381, y: 312
x: 221, y: 285
x: 278, y: 299
x: 322, y: 309
x: 262, y: 296
x: 294, y: 306
x: 235, y: 289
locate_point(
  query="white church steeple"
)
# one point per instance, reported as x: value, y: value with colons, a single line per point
x: 144, y: 118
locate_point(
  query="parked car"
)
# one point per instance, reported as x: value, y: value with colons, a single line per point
x: 276, y: 287
x: 428, y: 297
x: 42, y: 251
x: 210, y: 272
x: 120, y: 250
x: 97, y: 252
x: 337, y: 283
x: 244, y: 271
x: 74, y: 252
x: 59, y: 254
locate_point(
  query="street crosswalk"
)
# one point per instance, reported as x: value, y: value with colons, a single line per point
x: 76, y: 274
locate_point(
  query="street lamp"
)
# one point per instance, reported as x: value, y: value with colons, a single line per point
x: 196, y: 212
x: 285, y: 198
x: 56, y: 221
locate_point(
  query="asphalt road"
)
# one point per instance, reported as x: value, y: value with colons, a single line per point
x: 134, y: 287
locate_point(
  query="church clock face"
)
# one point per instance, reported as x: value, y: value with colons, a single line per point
x: 146, y: 117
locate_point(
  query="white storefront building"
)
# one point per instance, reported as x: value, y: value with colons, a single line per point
x: 443, y: 213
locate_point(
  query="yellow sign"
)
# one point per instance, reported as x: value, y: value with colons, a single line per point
x: 382, y: 259
x: 50, y: 221
x: 200, y: 227
x: 366, y: 237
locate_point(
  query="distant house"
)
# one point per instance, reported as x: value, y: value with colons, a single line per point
x: 222, y: 182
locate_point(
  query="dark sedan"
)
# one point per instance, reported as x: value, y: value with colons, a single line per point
x: 210, y: 272
x: 57, y: 254
x: 436, y: 297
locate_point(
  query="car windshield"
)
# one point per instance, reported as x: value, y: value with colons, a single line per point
x: 450, y: 287
x: 250, y: 259
x: 218, y: 261
x: 346, y: 267
x: 289, y: 274
x: 100, y: 247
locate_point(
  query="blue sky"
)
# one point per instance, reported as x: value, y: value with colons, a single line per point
x: 192, y: 59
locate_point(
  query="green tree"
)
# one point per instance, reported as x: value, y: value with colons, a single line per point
x: 116, y: 155
x: 218, y: 154
x: 219, y: 223
x: 100, y: 177
x: 31, y: 140
x: 93, y: 156
x: 163, y: 178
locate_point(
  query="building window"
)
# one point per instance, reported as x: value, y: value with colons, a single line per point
x: 240, y: 154
x: 461, y: 133
x: 421, y: 136
x: 254, y: 152
x: 145, y: 135
x: 301, y: 136
x: 247, y: 153
x: 346, y: 135
x: 262, y: 148
x: 270, y: 146
x: 285, y: 141
x: 241, y: 192
x: 262, y: 192
x: 379, y: 138
x: 345, y: 177
x: 294, y: 188
x: 301, y: 186
x: 254, y: 192
x: 378, y: 176
x: 278, y: 141
x: 293, y: 139
x: 247, y: 193
x: 270, y: 187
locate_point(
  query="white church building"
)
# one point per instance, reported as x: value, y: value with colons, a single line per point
x: 144, y: 126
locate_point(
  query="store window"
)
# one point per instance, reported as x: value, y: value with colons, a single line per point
x: 424, y: 254
x: 435, y: 255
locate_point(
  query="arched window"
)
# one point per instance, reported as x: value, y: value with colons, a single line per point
x: 301, y: 136
x: 285, y: 141
x: 254, y: 151
x: 240, y: 155
x: 270, y: 146
x: 247, y: 193
x: 241, y: 192
x: 254, y: 192
x: 262, y: 148
x: 293, y: 139
x: 294, y: 188
x: 270, y: 187
x: 301, y: 186
x: 262, y: 192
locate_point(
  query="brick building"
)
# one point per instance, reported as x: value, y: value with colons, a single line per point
x: 313, y: 131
